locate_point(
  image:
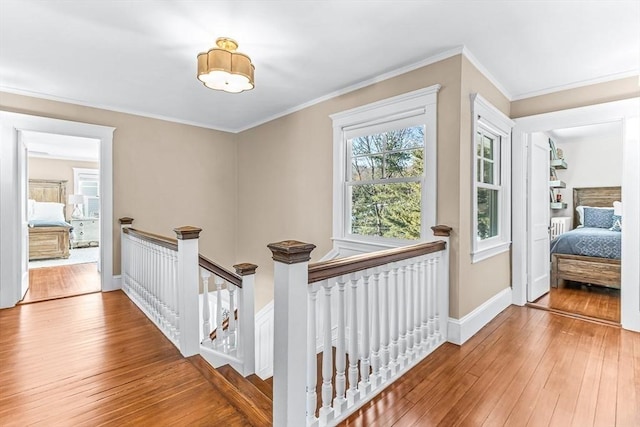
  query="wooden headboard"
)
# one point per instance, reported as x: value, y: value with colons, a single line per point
x: 598, y: 197
x: 48, y: 190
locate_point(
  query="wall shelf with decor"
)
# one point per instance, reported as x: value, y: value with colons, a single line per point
x: 556, y: 162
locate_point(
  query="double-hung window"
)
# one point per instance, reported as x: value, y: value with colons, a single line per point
x: 385, y: 171
x: 87, y: 184
x: 492, y: 173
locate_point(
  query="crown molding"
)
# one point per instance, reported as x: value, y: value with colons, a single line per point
x: 485, y: 72
x: 48, y: 97
x: 581, y: 83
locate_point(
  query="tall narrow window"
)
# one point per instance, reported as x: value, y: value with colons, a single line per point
x: 87, y: 183
x: 385, y: 171
x: 491, y: 189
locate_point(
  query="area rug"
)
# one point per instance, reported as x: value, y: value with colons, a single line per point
x: 77, y: 256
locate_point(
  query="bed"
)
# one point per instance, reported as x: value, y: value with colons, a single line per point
x: 48, y: 237
x: 588, y: 255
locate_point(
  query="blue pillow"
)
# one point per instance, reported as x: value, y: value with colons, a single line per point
x: 617, y: 223
x: 598, y: 218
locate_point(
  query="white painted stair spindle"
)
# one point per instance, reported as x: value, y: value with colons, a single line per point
x: 375, y: 331
x: 340, y: 401
x: 206, y: 311
x: 311, y: 355
x: 353, y: 396
x: 326, y: 411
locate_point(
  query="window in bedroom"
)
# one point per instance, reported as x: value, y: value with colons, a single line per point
x: 491, y: 170
x: 87, y: 183
x: 385, y: 170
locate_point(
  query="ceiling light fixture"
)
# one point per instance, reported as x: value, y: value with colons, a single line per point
x: 222, y: 68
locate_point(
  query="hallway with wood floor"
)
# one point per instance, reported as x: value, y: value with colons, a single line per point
x: 96, y: 360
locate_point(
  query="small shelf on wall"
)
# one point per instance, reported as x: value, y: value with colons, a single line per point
x: 558, y: 205
x: 558, y: 164
x: 557, y: 184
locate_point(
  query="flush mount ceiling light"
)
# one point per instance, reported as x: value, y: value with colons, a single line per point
x: 222, y: 68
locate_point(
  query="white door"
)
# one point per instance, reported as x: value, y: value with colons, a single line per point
x: 538, y: 221
x: 23, y: 173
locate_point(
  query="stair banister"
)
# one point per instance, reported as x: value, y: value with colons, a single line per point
x: 392, y: 309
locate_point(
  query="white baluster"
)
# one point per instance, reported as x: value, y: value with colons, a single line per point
x: 431, y: 302
x: 384, y: 332
x: 365, y: 362
x: 312, y: 368
x: 417, y: 313
x: 219, y: 320
x: 326, y: 411
x: 402, y: 316
x: 393, y: 299
x: 424, y: 301
x: 206, y: 311
x: 353, y: 396
x: 232, y: 316
x: 375, y: 332
x: 409, y: 304
x: 340, y: 401
x: 436, y: 298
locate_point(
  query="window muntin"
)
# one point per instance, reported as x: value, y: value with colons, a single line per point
x: 386, y: 171
x: 488, y: 183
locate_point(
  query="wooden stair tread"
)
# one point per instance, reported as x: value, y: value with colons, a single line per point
x: 265, y: 386
x: 241, y: 393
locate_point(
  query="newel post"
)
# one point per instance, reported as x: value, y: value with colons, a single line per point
x: 443, y: 232
x: 290, y: 274
x: 188, y: 280
x: 246, y: 317
x: 125, y: 222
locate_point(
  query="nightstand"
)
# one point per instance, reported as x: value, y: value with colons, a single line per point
x: 86, y: 232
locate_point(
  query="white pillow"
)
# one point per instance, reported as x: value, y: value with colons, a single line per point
x: 617, y: 208
x: 47, y: 211
x: 30, y: 206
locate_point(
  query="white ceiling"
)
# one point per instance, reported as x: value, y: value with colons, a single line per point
x: 54, y: 146
x: 140, y: 56
x: 603, y: 131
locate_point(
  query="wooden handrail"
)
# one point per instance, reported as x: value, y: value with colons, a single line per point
x: 220, y: 271
x: 156, y: 239
x: 337, y: 267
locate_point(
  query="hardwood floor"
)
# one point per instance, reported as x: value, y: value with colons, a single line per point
x: 526, y: 368
x: 594, y: 301
x: 63, y: 281
x: 97, y: 360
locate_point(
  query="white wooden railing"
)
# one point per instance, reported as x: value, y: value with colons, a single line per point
x: 382, y: 312
x: 161, y: 276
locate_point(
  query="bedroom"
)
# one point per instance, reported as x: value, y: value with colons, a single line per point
x: 63, y: 210
x: 585, y: 176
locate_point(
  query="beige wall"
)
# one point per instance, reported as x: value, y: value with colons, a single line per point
x: 43, y: 168
x: 480, y: 281
x: 614, y: 90
x: 285, y: 180
x: 165, y: 174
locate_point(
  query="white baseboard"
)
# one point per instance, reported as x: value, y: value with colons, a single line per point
x: 116, y: 283
x: 460, y: 330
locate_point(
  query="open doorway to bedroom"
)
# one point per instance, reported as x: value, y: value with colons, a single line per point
x: 63, y: 214
x: 585, y: 220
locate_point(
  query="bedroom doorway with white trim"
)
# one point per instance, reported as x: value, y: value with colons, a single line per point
x: 13, y: 201
x: 63, y: 213
x: 626, y: 113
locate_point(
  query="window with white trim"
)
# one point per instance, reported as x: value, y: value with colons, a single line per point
x: 491, y: 183
x: 385, y: 170
x: 86, y: 182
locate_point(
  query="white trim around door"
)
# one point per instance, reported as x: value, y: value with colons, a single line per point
x: 10, y: 244
x: 627, y: 112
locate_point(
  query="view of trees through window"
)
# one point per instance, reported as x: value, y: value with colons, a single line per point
x: 488, y: 181
x: 385, y: 181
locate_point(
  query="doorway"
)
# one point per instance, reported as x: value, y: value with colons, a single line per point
x: 626, y: 113
x: 584, y: 174
x: 63, y: 214
x: 14, y: 207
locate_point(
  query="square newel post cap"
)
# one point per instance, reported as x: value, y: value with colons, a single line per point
x: 187, y: 232
x: 291, y: 251
x: 126, y: 220
x: 245, y: 269
x: 441, y: 230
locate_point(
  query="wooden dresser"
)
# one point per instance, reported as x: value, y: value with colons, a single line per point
x: 86, y: 232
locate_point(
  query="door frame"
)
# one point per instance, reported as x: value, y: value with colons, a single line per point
x: 10, y: 126
x: 627, y: 112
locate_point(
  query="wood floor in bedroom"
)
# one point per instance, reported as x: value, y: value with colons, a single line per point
x: 595, y: 302
x: 62, y: 281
